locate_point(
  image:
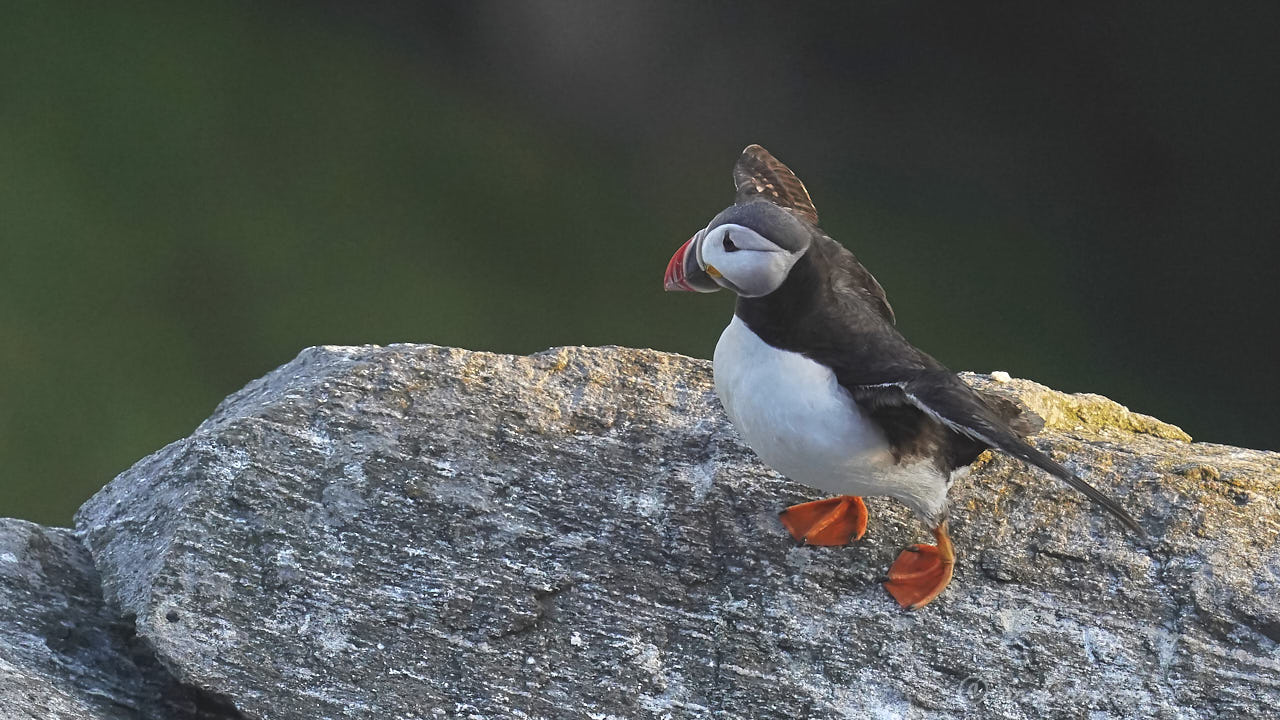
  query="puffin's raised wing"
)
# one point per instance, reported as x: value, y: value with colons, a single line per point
x: 759, y: 174
x: 945, y: 398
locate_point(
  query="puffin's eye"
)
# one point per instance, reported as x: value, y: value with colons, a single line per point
x: 728, y: 244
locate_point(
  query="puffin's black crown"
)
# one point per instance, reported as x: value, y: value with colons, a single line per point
x: 776, y: 224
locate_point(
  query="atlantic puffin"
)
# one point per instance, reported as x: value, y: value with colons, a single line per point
x: 819, y: 382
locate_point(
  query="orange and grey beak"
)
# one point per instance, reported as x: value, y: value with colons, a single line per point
x: 684, y: 272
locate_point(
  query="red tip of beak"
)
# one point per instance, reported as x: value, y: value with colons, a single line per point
x: 674, y: 279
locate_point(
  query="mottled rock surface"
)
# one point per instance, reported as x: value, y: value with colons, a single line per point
x: 63, y: 654
x: 424, y: 532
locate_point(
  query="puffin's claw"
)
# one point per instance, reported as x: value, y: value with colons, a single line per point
x: 833, y: 521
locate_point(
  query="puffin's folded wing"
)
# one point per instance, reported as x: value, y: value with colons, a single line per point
x: 1021, y: 420
x: 945, y: 398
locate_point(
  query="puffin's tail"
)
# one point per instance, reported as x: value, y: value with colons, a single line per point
x: 1020, y: 449
x: 950, y: 401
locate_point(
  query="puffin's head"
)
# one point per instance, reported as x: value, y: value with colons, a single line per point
x: 748, y: 249
x: 752, y: 245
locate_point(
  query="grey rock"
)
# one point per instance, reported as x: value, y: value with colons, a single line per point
x: 63, y: 653
x: 425, y: 532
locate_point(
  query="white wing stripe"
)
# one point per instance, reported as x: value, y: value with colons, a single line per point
x: 963, y: 430
x: 945, y: 421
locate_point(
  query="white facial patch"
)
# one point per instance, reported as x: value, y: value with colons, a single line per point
x: 744, y: 261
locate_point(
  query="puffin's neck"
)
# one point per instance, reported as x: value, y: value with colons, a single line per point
x: 775, y: 317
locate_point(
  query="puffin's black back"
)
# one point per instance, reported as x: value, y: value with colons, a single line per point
x: 831, y: 310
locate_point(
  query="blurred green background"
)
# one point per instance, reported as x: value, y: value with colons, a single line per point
x: 190, y: 193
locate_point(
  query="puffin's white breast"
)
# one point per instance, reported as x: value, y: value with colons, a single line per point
x: 795, y: 415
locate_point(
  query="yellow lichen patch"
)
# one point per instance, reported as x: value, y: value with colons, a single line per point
x: 558, y: 366
x: 1073, y: 412
x: 1062, y: 411
x: 474, y: 369
x: 982, y: 460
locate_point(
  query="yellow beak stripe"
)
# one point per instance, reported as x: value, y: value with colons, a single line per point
x: 713, y: 272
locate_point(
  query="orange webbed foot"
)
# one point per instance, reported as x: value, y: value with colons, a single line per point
x: 921, y: 572
x: 833, y: 521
